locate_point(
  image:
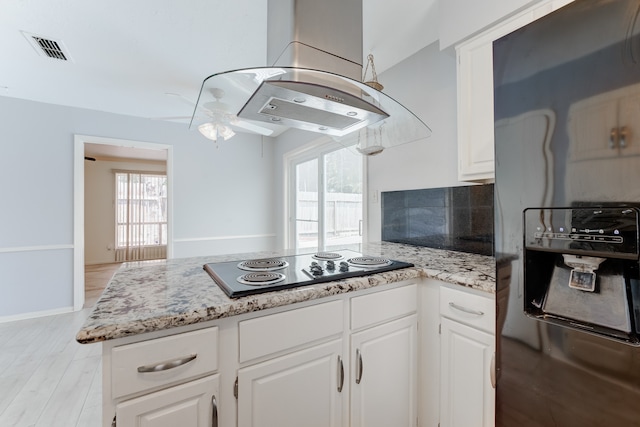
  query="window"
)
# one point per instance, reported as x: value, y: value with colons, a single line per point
x: 326, y: 199
x: 141, y: 213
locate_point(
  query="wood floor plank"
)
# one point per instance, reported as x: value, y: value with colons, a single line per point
x: 91, y: 414
x: 46, y: 377
x: 32, y: 398
x: 10, y: 386
x: 65, y: 405
x: 49, y: 379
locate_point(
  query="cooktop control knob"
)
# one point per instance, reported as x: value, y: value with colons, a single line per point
x: 331, y: 265
x: 344, y: 266
x: 315, y: 268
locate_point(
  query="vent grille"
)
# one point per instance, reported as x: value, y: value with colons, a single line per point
x: 48, y: 47
x: 51, y: 48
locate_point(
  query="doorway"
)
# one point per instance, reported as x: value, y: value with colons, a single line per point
x: 117, y: 152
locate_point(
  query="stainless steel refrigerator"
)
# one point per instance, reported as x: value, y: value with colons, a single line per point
x: 567, y: 198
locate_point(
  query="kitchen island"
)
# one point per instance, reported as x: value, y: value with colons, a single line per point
x: 154, y: 295
x: 175, y: 347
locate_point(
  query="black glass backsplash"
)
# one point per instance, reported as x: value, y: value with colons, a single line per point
x: 454, y: 218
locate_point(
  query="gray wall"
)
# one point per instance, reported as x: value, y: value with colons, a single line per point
x: 426, y: 84
x: 222, y: 196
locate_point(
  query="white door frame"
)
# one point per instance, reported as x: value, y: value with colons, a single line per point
x: 78, y: 203
x: 316, y: 149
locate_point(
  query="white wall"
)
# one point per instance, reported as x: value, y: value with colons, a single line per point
x: 426, y: 84
x: 222, y: 196
x: 99, y: 209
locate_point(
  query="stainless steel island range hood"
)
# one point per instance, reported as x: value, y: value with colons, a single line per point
x: 314, y: 82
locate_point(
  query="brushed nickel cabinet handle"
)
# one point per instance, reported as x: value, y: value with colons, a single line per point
x: 340, y: 374
x: 359, y: 366
x: 169, y: 364
x: 214, y: 415
x: 465, y: 309
x: 613, y: 138
x: 492, y: 374
x: 624, y: 133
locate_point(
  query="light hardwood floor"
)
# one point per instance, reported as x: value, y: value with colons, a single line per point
x: 46, y: 377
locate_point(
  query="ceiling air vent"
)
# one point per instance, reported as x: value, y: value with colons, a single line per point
x: 48, y: 47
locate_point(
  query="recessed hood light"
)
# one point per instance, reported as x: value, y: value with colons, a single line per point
x: 311, y: 86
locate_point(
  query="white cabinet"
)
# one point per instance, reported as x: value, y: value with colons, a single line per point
x: 296, y: 372
x: 166, y: 381
x: 467, y: 396
x: 301, y: 381
x: 192, y: 404
x: 384, y: 375
x: 604, y: 135
x: 383, y: 356
x: 467, y: 351
x: 475, y: 94
x: 604, y: 126
x: 298, y: 389
x: 349, y: 360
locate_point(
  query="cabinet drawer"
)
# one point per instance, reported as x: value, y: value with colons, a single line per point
x: 469, y: 308
x: 375, y: 308
x: 159, y: 362
x: 266, y: 335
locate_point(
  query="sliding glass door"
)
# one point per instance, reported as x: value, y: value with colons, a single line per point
x: 326, y: 200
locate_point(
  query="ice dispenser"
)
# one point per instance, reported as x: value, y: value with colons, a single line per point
x: 581, y: 269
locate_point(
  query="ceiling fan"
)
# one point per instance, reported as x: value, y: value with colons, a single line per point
x: 220, y: 120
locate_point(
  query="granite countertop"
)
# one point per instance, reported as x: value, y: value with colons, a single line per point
x: 154, y: 295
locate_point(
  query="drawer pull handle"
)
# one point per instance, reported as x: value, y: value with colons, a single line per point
x: 170, y: 364
x: 465, y: 309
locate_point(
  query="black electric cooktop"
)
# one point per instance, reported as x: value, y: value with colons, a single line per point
x: 248, y: 277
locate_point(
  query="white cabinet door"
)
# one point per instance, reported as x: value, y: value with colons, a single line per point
x: 467, y: 396
x: 475, y: 111
x: 297, y: 389
x: 384, y: 372
x: 193, y: 404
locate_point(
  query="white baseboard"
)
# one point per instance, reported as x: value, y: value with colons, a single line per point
x: 35, y: 314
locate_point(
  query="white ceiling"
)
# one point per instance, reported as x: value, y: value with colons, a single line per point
x: 126, y: 55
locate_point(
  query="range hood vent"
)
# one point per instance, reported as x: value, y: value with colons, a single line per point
x: 310, y: 107
x: 314, y: 83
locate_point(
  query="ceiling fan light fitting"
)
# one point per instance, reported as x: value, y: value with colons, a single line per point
x: 213, y: 131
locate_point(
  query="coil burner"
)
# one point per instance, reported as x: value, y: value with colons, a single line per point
x: 261, y: 278
x: 327, y: 256
x: 266, y: 264
x: 369, y: 262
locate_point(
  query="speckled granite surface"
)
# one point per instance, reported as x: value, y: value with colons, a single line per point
x: 155, y: 295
